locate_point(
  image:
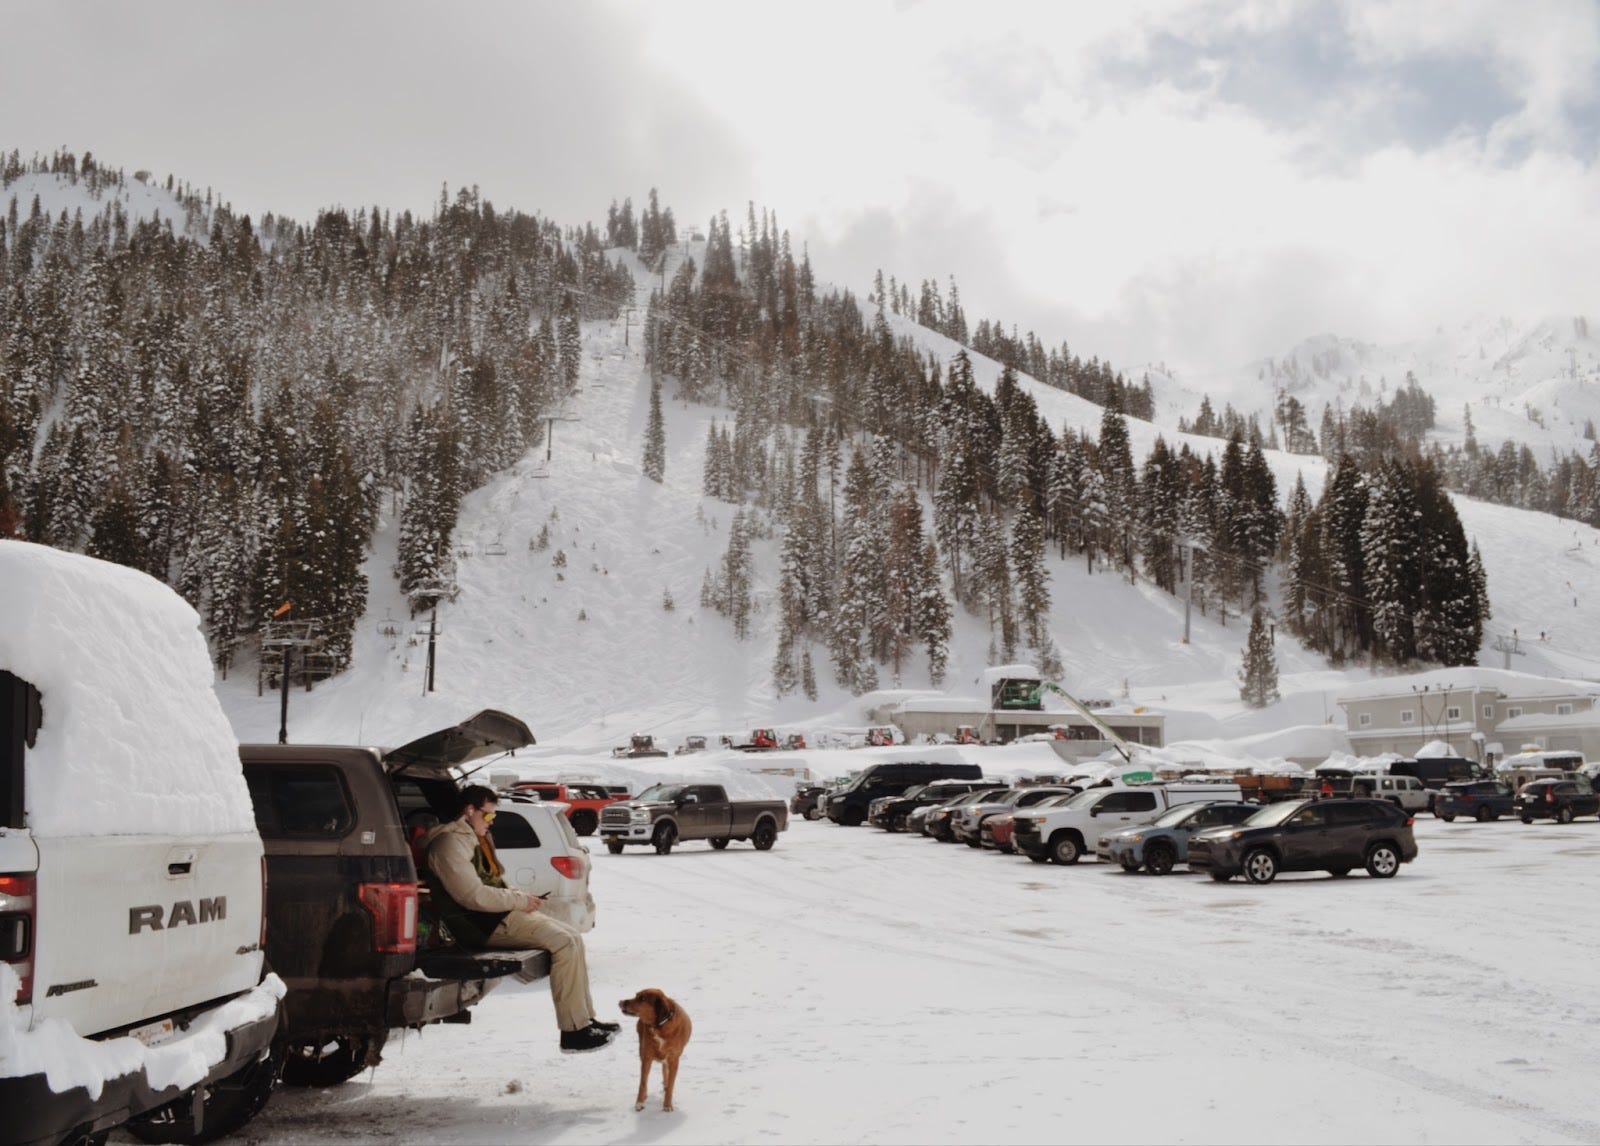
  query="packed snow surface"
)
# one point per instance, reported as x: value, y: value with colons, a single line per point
x: 133, y: 740
x: 856, y: 986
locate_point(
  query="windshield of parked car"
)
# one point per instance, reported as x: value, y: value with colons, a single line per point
x: 1173, y: 816
x: 660, y: 794
x: 1274, y: 814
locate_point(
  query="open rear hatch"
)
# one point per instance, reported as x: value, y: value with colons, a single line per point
x: 487, y: 733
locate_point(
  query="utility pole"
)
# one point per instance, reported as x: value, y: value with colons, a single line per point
x: 433, y: 631
x: 1188, y: 584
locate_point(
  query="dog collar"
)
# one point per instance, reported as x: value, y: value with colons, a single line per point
x: 665, y: 1019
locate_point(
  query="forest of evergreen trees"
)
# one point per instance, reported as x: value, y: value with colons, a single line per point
x: 229, y: 406
x: 841, y: 433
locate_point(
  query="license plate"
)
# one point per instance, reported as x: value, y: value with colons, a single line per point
x: 152, y: 1033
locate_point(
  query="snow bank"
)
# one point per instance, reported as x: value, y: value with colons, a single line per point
x: 67, y: 1060
x: 133, y: 741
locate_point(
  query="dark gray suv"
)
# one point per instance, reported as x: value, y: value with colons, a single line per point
x: 1308, y: 835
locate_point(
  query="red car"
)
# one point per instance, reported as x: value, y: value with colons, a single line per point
x: 583, y: 801
x: 995, y: 832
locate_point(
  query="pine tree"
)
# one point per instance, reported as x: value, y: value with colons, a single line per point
x: 1258, y: 678
x: 1393, y: 565
x: 114, y: 535
x: 655, y: 438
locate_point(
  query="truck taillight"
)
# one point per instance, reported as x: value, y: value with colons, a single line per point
x: 16, y: 930
x: 394, y: 916
x: 569, y: 866
x: 1549, y: 795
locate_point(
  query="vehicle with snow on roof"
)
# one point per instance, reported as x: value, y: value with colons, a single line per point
x: 133, y: 990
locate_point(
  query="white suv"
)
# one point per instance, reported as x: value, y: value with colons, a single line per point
x: 543, y: 856
x: 1066, y: 833
x: 1407, y: 791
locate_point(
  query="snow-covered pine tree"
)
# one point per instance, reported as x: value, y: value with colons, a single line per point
x: 1258, y: 677
x: 655, y: 438
x: 1032, y: 579
x: 1121, y: 489
x: 1393, y: 565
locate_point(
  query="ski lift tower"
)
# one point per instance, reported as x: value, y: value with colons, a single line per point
x: 280, y: 637
x: 431, y: 594
x: 562, y: 415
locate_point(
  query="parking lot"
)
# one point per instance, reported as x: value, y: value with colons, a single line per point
x: 852, y: 985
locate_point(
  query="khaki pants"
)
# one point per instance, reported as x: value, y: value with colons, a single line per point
x: 569, y: 966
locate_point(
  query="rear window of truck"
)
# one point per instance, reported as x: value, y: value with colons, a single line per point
x: 301, y: 801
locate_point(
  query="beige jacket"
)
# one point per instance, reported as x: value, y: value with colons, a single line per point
x: 450, y: 847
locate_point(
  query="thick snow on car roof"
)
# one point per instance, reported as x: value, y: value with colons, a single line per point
x: 132, y: 741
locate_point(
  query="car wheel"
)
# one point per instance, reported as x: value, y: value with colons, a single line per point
x: 765, y: 835
x: 1260, y: 866
x: 614, y: 847
x: 1129, y: 864
x: 1220, y: 877
x: 813, y: 813
x: 1527, y: 819
x: 1039, y: 859
x: 666, y: 835
x: 1065, y: 849
x: 974, y: 842
x: 1383, y: 861
x: 327, y: 1063
x: 853, y: 819
x: 899, y: 823
x: 584, y: 822
x: 1338, y: 872
x: 1159, y: 859
x: 1484, y: 815
x: 719, y: 844
x: 226, y: 1106
x: 1449, y: 817
x: 1564, y: 815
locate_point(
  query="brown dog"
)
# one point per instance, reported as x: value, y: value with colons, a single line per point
x: 663, y: 1033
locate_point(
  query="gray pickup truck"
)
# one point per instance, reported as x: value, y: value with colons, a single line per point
x: 666, y: 814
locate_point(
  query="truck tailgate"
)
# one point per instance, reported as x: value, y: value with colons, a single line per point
x: 448, y: 982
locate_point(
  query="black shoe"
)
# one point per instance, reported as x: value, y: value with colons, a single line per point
x: 613, y: 1027
x: 591, y: 1038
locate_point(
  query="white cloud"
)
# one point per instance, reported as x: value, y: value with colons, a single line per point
x: 1143, y: 213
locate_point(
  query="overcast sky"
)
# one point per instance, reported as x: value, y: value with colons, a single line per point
x: 1200, y: 183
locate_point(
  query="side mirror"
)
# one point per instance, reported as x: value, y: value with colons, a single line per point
x: 1095, y: 811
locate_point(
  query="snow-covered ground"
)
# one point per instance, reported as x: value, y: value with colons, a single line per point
x: 852, y: 986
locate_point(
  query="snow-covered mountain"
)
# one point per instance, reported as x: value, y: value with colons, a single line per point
x: 1532, y: 382
x: 588, y: 653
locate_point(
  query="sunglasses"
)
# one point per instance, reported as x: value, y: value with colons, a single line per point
x: 488, y: 816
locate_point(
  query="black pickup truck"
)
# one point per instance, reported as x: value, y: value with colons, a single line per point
x: 343, y: 899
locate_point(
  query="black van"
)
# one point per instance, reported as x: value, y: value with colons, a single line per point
x: 1437, y: 771
x: 848, y: 806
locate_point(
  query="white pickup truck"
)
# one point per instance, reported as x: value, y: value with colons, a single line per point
x: 132, y: 986
x: 1064, y: 834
